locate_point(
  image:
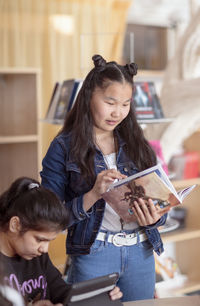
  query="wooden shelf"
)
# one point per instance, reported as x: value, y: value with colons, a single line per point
x: 189, y: 286
x: 184, y: 183
x: 181, y: 235
x: 19, y: 127
x: 18, y: 139
x: 153, y: 121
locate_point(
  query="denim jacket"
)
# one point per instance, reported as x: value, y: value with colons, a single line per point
x: 62, y: 175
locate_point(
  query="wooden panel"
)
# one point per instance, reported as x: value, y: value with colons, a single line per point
x: 18, y: 159
x: 57, y: 251
x: 18, y: 104
x: 187, y: 256
x: 192, y: 204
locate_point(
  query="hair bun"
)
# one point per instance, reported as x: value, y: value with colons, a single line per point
x: 98, y: 60
x: 132, y: 68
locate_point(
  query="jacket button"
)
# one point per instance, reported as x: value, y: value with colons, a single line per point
x: 125, y: 169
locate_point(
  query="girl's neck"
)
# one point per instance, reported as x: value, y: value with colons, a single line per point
x: 106, y: 143
x: 5, y: 246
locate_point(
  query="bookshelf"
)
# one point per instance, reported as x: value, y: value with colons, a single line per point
x: 19, y: 126
x: 187, y: 241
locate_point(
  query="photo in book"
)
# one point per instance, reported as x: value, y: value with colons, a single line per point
x: 150, y: 183
x: 146, y: 101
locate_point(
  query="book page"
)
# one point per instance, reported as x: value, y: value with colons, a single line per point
x: 121, y: 198
x: 184, y: 192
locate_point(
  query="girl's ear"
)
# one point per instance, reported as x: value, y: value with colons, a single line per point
x: 14, y: 224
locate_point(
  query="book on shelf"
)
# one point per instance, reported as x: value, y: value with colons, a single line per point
x: 52, y: 104
x: 146, y: 101
x: 62, y: 99
x: 150, y: 183
x: 79, y: 85
x: 74, y: 94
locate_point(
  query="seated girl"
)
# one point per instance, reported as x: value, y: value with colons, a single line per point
x: 30, y: 217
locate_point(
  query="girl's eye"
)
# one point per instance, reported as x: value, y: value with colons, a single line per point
x: 38, y: 240
x: 110, y: 103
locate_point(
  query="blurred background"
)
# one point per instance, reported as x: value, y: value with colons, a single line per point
x: 47, y: 41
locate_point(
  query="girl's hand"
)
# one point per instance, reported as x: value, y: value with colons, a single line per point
x: 146, y: 212
x: 103, y: 180
x: 45, y: 303
x: 115, y: 294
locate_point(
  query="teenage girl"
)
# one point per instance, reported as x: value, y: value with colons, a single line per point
x: 100, y: 142
x: 30, y: 217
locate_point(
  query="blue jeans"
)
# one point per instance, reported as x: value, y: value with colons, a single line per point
x: 135, y: 265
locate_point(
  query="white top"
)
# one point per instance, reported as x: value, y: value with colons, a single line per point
x: 111, y: 220
x: 12, y: 295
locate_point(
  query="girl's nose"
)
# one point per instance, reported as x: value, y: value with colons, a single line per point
x: 44, y: 247
x: 116, y: 111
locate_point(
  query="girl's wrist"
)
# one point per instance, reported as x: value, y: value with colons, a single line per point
x: 89, y: 199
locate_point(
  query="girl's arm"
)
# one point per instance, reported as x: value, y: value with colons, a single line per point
x: 56, y: 178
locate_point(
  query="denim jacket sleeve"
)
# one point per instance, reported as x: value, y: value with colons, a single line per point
x: 56, y: 178
x: 160, y: 222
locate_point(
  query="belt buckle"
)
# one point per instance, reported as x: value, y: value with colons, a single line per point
x: 118, y: 235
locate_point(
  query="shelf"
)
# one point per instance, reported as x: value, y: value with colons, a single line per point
x: 20, y: 135
x: 18, y: 139
x: 152, y: 121
x: 188, y: 287
x: 181, y: 235
x: 53, y: 121
x: 185, y: 183
x: 19, y: 70
x: 165, y: 290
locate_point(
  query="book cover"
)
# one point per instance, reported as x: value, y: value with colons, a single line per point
x: 63, y: 99
x: 76, y: 89
x: 53, y: 101
x: 151, y: 183
x: 52, y: 98
x: 146, y: 102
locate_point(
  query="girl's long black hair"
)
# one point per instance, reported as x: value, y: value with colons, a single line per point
x: 79, y: 122
x: 38, y: 208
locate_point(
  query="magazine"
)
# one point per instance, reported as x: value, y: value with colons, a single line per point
x: 151, y: 183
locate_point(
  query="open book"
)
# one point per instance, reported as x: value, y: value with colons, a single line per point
x: 151, y: 183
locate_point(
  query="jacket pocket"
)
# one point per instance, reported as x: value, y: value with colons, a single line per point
x: 75, y: 181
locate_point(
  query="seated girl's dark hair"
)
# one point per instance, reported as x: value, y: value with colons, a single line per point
x: 37, y: 207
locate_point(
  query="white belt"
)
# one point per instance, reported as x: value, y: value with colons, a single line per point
x: 120, y: 239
